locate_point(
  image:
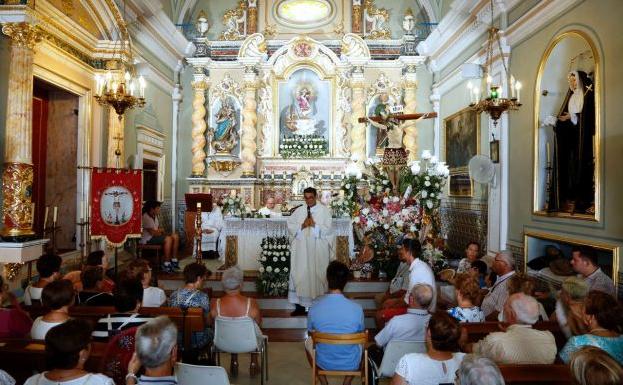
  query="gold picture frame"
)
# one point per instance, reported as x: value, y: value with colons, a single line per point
x: 461, y: 142
x: 599, y: 246
x: 541, y: 205
x: 460, y: 185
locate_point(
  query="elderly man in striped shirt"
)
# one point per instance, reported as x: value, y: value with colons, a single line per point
x: 493, y: 303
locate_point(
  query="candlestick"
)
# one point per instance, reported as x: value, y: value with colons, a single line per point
x: 32, y: 212
x: 45, y: 217
x: 198, y: 206
x: 54, y: 215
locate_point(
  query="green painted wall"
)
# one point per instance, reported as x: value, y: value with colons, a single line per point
x: 602, y: 18
x: 214, y: 11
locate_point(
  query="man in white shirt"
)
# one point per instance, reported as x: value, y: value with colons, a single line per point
x: 211, y: 225
x: 493, y: 303
x: 311, y: 231
x: 269, y: 208
x: 584, y: 261
x: 520, y: 343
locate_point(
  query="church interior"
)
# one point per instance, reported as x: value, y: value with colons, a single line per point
x: 237, y: 149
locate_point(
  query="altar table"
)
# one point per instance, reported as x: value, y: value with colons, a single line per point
x: 240, y: 241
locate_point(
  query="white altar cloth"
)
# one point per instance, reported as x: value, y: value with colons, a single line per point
x: 251, y: 231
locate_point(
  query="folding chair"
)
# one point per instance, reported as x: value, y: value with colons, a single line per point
x: 341, y: 339
x: 393, y: 353
x: 196, y: 374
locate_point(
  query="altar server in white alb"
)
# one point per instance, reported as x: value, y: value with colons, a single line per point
x: 311, y: 230
x: 211, y: 225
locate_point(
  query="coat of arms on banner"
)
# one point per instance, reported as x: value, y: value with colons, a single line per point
x: 116, y: 204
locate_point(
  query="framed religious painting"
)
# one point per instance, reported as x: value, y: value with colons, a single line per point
x: 304, y: 106
x: 567, y: 129
x: 462, y: 139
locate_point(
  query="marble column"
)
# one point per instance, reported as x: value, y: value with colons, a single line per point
x: 249, y: 123
x: 200, y: 85
x: 358, y: 130
x: 176, y: 98
x: 115, y: 139
x: 409, y: 139
x: 17, y: 178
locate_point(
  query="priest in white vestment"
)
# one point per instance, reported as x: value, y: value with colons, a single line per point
x: 311, y: 231
x: 269, y: 208
x: 211, y: 225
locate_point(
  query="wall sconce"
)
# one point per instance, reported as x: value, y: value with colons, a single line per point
x: 494, y: 150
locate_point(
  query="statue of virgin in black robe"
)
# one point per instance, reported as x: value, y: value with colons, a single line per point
x: 574, y: 167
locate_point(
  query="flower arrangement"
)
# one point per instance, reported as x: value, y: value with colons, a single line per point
x: 426, y: 180
x: 234, y: 206
x: 378, y: 180
x: 434, y: 257
x: 389, y: 214
x: 341, y: 207
x: 303, y: 146
x: 274, y: 266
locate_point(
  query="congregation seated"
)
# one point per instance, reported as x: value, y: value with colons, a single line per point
x: 477, y: 370
x: 585, y: 262
x: 153, y: 234
x: 522, y: 283
x: 604, y: 320
x: 398, y: 286
x: 57, y: 296
x: 48, y: 267
x: 152, y: 296
x: 441, y: 360
x: 14, y: 321
x: 472, y: 254
x: 334, y: 313
x: 406, y: 327
x: 569, y: 311
x: 493, y: 303
x: 127, y: 300
x: 468, y: 296
x: 93, y: 291
x: 94, y: 259
x: 418, y: 272
x: 191, y: 296
x: 156, y: 351
x: 67, y: 348
x: 233, y: 305
x: 520, y: 343
x: 592, y: 366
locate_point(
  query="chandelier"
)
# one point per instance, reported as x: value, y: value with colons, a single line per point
x: 493, y: 100
x: 121, y: 92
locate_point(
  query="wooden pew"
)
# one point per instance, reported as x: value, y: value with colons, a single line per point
x: 187, y: 323
x: 20, y: 357
x: 479, y: 330
x: 555, y: 374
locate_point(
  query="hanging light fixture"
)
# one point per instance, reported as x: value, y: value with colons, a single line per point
x: 126, y: 92
x: 492, y: 99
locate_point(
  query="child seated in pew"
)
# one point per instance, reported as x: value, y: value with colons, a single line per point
x: 127, y: 300
x: 95, y: 258
x: 93, y: 291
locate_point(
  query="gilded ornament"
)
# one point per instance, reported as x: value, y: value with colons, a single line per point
x: 11, y: 270
x: 17, y: 181
x: 375, y: 21
x: 22, y: 34
x: 235, y: 21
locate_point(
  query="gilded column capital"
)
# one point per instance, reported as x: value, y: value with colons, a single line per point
x: 22, y: 34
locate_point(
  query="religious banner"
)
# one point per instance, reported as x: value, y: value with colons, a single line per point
x: 116, y: 204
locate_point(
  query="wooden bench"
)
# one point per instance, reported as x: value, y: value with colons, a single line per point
x: 187, y: 323
x: 20, y: 357
x: 555, y: 374
x: 479, y: 330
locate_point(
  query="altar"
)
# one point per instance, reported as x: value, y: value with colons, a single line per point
x: 240, y: 239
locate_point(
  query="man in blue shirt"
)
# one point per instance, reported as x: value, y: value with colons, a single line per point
x: 334, y: 313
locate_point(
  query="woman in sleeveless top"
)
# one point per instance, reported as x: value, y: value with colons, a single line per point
x: 234, y: 305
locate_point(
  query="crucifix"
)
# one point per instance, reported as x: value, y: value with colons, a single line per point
x: 394, y: 156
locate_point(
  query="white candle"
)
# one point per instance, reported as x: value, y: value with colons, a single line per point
x: 198, y: 206
x: 512, y: 86
x: 547, y: 152
x: 141, y: 85
x: 470, y: 91
x: 89, y: 213
x: 54, y: 215
x: 45, y: 217
x: 518, y: 88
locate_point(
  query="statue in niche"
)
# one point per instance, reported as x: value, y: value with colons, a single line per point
x: 224, y: 137
x: 300, y: 116
x: 574, y: 168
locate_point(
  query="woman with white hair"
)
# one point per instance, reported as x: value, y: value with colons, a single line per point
x: 476, y: 370
x: 156, y: 350
x: 234, y: 305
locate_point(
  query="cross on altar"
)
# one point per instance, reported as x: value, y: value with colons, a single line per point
x: 402, y: 117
